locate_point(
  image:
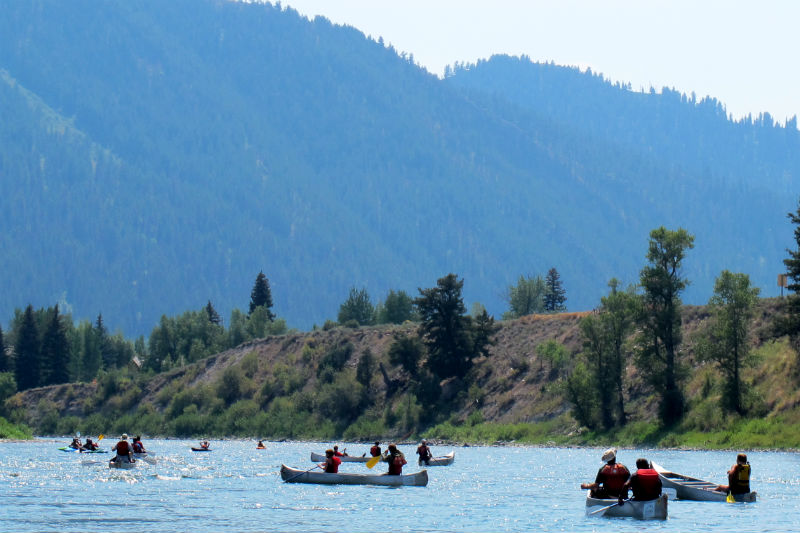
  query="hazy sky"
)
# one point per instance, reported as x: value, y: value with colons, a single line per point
x: 744, y: 53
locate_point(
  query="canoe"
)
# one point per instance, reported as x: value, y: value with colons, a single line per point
x: 443, y: 460
x: 293, y: 475
x: 68, y: 449
x: 200, y: 449
x: 691, y: 488
x: 318, y: 458
x: 642, y: 510
x: 122, y: 464
x: 147, y: 457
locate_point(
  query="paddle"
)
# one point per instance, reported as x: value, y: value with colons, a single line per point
x: 372, y: 462
x: 606, y: 508
x: 300, y: 474
x: 730, y: 498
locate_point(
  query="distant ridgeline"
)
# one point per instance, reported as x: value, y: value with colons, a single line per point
x: 154, y: 155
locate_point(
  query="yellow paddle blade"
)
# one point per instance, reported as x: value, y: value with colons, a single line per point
x: 372, y: 462
x: 101, y: 437
x: 730, y: 498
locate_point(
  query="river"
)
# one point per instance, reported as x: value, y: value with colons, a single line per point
x: 238, y: 488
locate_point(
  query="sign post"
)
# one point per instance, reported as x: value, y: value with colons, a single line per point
x: 782, y: 282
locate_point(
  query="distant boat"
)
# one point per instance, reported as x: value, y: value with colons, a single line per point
x: 200, y: 449
x: 444, y: 460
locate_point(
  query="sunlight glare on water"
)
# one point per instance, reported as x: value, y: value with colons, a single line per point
x: 238, y: 488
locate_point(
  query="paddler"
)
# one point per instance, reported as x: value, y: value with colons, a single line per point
x: 424, y: 453
x: 611, y: 478
x: 644, y: 483
x: 90, y: 446
x: 124, y: 450
x: 738, y: 477
x: 332, y: 462
x: 76, y: 443
x: 338, y: 453
x: 375, y: 451
x: 396, y: 460
x: 138, y: 446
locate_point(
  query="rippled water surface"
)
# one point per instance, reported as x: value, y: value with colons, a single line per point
x: 238, y: 488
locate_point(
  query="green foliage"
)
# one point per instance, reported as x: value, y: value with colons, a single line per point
x: 261, y: 296
x: 333, y: 361
x: 727, y: 337
x: 14, y: 431
x: 407, y: 351
x: 5, y: 362
x: 659, y: 318
x: 8, y: 387
x: 357, y: 307
x: 526, y: 297
x: 580, y: 391
x: 554, y: 295
x: 396, y: 309
x: 27, y: 350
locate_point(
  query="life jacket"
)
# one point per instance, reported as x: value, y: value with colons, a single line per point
x: 396, y: 463
x: 740, y: 480
x: 424, y: 452
x: 375, y: 451
x: 123, y: 448
x: 646, y: 484
x: 332, y: 467
x: 138, y: 447
x: 614, y: 477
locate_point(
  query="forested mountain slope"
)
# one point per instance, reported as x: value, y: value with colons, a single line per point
x: 157, y: 155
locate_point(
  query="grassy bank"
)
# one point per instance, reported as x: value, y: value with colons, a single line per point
x: 14, y: 431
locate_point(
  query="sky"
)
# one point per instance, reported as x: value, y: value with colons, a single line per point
x: 743, y: 53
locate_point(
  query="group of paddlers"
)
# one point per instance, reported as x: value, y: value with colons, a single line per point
x: 614, y: 480
x: 125, y: 450
x: 394, y: 457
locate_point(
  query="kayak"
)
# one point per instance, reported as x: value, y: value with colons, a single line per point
x: 200, y: 449
x: 293, y: 475
x: 643, y: 510
x: 691, y: 488
x: 444, y: 460
x: 122, y: 464
x: 68, y: 449
x: 317, y: 458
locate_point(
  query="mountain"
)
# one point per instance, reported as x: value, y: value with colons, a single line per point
x: 157, y: 155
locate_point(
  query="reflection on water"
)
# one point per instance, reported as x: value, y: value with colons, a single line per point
x: 238, y: 488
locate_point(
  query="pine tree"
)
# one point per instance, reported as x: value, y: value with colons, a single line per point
x: 213, y: 316
x: 554, y: 294
x: 790, y: 324
x: 4, y: 366
x: 26, y: 349
x: 261, y: 296
x: 357, y: 307
x: 101, y: 336
x: 55, y: 351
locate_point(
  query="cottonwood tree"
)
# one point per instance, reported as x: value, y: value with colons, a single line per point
x: 659, y: 318
x: 261, y: 296
x: 526, y: 297
x: 396, y: 309
x: 790, y: 323
x: 727, y: 339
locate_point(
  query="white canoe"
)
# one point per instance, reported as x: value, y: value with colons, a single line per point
x: 691, y: 488
x: 293, y: 475
x: 444, y: 460
x: 643, y: 510
x: 319, y: 458
x: 122, y: 464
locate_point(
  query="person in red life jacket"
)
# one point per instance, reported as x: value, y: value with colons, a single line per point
x: 89, y: 446
x: 332, y: 462
x: 611, y: 478
x: 375, y: 451
x: 124, y: 450
x: 337, y: 453
x: 424, y: 453
x: 644, y: 483
x: 738, y: 477
x: 396, y: 460
x: 204, y: 444
x: 138, y: 447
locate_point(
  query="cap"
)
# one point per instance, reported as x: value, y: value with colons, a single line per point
x: 124, y: 436
x: 609, y: 455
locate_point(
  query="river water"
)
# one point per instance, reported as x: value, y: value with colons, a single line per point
x: 238, y: 488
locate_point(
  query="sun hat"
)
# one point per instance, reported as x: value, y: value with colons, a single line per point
x: 610, y: 454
